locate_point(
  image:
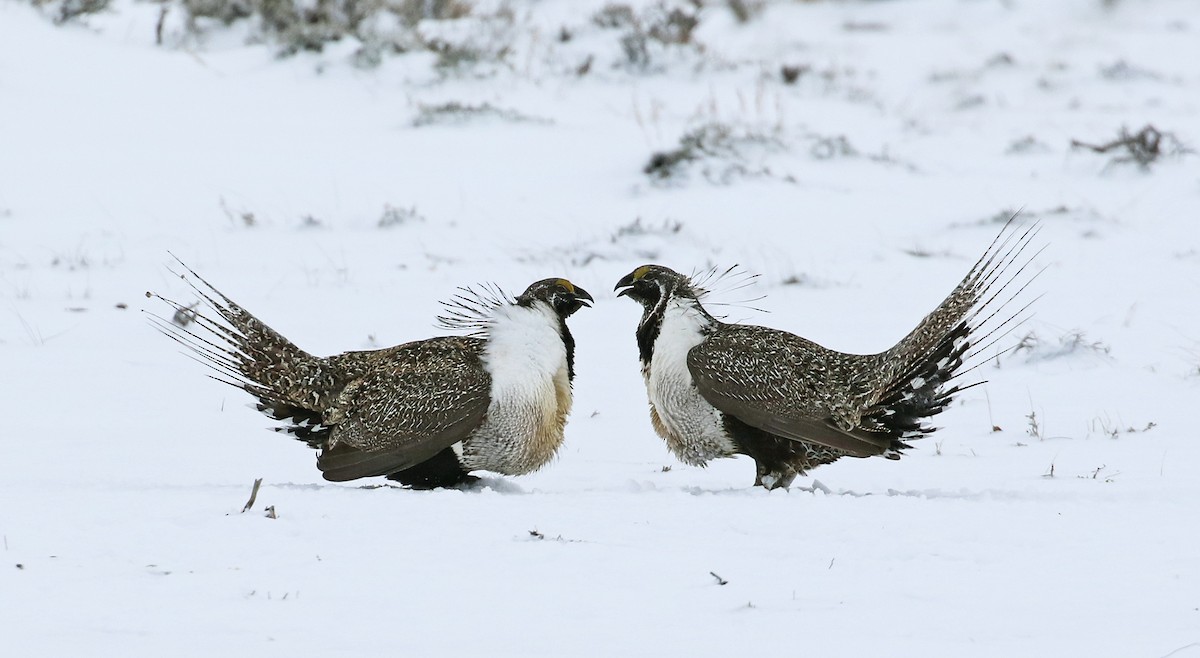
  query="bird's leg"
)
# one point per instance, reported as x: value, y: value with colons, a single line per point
x: 442, y: 470
x: 785, y: 480
x: 760, y: 473
x: 775, y: 478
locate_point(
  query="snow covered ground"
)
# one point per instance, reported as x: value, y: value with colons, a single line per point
x: 860, y: 193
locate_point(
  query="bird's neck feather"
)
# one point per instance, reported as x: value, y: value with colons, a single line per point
x: 674, y: 319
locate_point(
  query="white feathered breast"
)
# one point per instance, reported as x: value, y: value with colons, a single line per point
x: 694, y: 430
x: 531, y: 392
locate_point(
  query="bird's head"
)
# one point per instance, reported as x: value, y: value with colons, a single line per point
x: 648, y: 285
x: 562, y: 296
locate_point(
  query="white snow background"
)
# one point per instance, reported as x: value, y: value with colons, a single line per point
x: 861, y: 193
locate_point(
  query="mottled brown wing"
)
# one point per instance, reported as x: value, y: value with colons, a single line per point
x: 784, y: 384
x: 407, y: 404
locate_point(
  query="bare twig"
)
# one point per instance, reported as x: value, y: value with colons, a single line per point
x: 158, y: 27
x: 1186, y: 646
x: 720, y: 580
x: 1143, y: 147
x: 253, y: 495
x: 995, y: 427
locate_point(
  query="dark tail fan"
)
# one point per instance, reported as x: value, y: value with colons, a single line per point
x: 966, y: 324
x: 290, y: 384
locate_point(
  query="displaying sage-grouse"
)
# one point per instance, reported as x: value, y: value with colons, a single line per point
x: 718, y: 389
x: 424, y: 413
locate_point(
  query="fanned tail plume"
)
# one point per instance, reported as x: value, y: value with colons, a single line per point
x: 290, y: 384
x: 975, y: 316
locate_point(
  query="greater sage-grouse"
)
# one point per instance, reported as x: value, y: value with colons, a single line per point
x: 719, y: 389
x: 424, y: 413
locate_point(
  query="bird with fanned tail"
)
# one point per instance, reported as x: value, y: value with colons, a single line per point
x: 424, y: 413
x: 718, y: 389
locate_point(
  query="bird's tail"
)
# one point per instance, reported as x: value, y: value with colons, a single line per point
x: 289, y: 383
x: 981, y: 310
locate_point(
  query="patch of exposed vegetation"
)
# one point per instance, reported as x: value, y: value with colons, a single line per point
x: 833, y: 146
x: 1036, y: 348
x: 1027, y: 145
x: 1106, y: 426
x: 296, y: 26
x: 454, y: 112
x: 639, y: 228
x: 656, y: 29
x: 636, y: 240
x: 1143, y: 148
x: 235, y: 216
x: 394, y: 216
x: 921, y: 252
x: 66, y: 11
x: 745, y: 11
x: 464, y: 36
x: 453, y: 30
x: 721, y: 149
x: 1123, y: 71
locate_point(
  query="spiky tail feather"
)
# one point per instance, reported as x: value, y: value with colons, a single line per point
x: 290, y: 384
x: 969, y: 321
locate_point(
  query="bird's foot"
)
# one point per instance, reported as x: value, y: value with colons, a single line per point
x: 775, y: 480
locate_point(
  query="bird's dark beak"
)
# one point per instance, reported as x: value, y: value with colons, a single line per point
x: 626, y: 282
x: 581, y: 295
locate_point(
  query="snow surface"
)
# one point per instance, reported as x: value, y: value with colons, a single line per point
x: 125, y: 468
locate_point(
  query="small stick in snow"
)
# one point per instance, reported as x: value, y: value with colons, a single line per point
x: 536, y: 534
x: 271, y: 512
x: 720, y: 580
x: 1186, y: 646
x: 158, y: 27
x: 995, y: 427
x: 1143, y: 147
x: 253, y: 495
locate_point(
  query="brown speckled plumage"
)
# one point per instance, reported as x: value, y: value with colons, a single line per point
x: 398, y: 411
x: 719, y: 389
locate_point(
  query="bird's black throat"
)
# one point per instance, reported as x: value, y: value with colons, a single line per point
x: 569, y: 343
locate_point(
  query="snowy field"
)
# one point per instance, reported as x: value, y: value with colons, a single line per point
x: 339, y: 201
